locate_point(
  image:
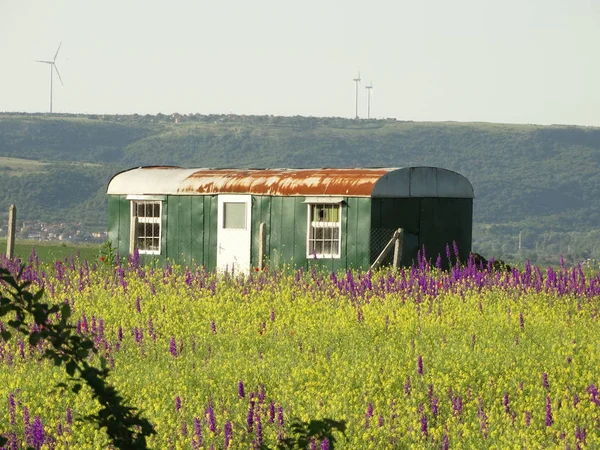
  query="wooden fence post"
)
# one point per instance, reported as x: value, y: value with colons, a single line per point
x: 399, y: 232
x: 398, y: 247
x: 12, y: 223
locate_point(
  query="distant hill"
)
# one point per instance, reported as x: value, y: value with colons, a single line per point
x: 542, y: 181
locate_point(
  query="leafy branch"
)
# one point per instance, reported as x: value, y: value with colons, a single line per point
x: 303, y: 434
x: 125, y: 426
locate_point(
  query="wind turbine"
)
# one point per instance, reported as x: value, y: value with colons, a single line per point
x: 53, y: 67
x: 369, y: 87
x: 357, y: 80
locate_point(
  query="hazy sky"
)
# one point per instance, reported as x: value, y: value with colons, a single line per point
x: 512, y: 61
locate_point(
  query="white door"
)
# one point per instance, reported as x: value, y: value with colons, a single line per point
x: 233, y: 233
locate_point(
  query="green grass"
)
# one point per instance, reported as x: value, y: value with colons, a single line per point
x: 51, y: 251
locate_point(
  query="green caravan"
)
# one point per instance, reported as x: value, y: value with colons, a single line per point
x: 248, y: 219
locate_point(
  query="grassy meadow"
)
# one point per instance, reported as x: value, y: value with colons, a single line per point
x: 418, y: 358
x: 51, y: 251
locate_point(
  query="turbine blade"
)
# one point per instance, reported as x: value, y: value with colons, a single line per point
x: 58, y: 73
x: 47, y: 62
x: 56, y: 54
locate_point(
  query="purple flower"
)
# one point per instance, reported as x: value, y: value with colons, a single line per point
x: 120, y: 334
x: 69, y: 416
x: 213, y: 327
x: 521, y: 321
x: 280, y: 417
x: 549, y: 419
x: 26, y: 416
x: 434, y: 406
x: 424, y: 425
x: 593, y: 391
x: 173, y: 347
x: 11, y: 408
x: 177, y: 404
x: 21, y: 346
x: 325, y: 444
x: 457, y: 405
x: 241, y: 392
x: 407, y: 385
x: 527, y: 418
x: 259, y: 430
x: 37, y: 433
x: 250, y: 416
x: 138, y: 306
x: 228, y: 432
x: 380, y: 420
x: 210, y: 413
x: 545, y: 381
x: 580, y: 435
x: 455, y: 248
x: 505, y: 403
x: 197, y: 439
x: 370, y: 410
x: 271, y: 412
x: 420, y: 365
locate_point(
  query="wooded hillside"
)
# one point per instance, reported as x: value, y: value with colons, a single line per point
x: 541, y: 180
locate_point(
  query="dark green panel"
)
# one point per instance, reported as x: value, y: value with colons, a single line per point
x: 172, y: 235
x: 124, y: 225
x: 350, y: 236
x: 210, y: 223
x: 300, y: 214
x: 185, y: 230
x: 288, y: 234
x: 276, y: 231
x: 197, y: 229
x: 363, y: 228
x: 444, y: 220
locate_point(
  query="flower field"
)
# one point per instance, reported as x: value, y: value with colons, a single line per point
x: 419, y: 358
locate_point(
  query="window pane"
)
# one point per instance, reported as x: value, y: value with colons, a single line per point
x: 234, y: 215
x: 141, y: 230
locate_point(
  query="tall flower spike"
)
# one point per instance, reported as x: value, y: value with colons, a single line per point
x: 549, y: 418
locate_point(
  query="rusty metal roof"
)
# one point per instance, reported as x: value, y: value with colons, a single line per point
x: 350, y: 182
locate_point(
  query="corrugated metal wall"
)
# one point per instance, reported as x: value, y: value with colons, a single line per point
x: 285, y: 220
x: 189, y: 229
x: 119, y: 219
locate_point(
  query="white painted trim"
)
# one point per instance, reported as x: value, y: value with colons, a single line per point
x: 157, y: 198
x: 309, y: 228
x: 146, y: 220
x: 323, y: 199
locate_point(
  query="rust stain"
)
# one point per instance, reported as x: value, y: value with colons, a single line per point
x: 305, y: 182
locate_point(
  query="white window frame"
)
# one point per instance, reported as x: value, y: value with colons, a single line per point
x: 311, y: 225
x: 134, y: 201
